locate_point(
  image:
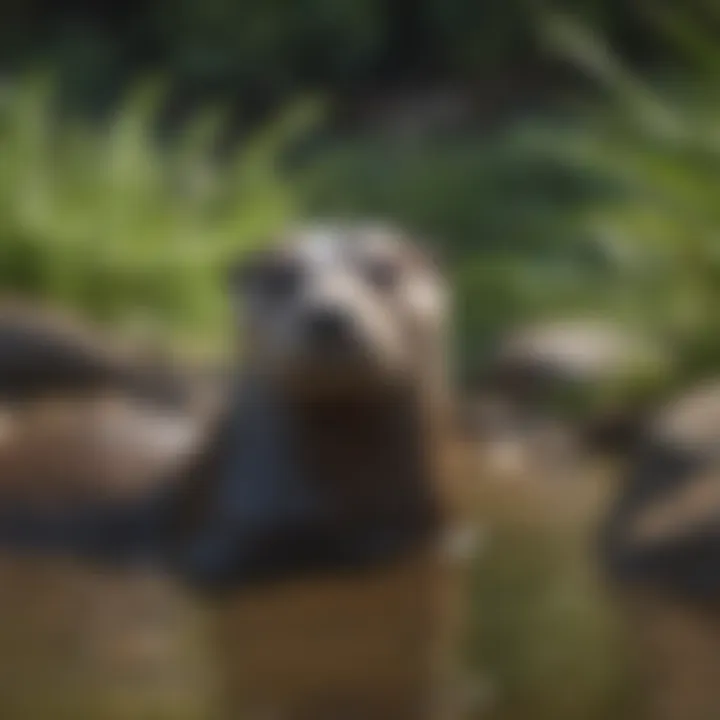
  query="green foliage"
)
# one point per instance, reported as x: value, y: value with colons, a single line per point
x: 610, y: 212
x: 271, y: 49
x: 228, y: 42
x: 658, y: 145
x: 105, y: 220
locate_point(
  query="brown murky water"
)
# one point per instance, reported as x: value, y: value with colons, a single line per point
x: 79, y: 643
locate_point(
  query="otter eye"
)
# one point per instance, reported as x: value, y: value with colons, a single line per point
x: 280, y: 281
x: 383, y: 274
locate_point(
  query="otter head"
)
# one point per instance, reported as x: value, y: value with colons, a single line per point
x: 340, y: 310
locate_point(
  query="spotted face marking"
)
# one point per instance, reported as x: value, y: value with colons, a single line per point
x: 341, y: 307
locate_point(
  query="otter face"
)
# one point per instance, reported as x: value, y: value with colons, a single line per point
x: 333, y: 308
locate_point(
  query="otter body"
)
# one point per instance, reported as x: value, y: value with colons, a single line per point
x: 365, y: 642
x: 312, y: 520
x: 346, y: 328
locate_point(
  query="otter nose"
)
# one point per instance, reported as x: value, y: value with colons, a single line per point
x: 328, y: 328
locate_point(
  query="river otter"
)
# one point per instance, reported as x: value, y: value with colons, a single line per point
x: 327, y: 462
x: 346, y: 333
x: 661, y: 550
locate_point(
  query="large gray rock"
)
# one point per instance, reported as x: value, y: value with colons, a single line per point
x: 45, y: 353
x: 577, y: 352
x: 594, y: 374
x: 664, y: 529
x: 97, y: 639
x: 661, y: 552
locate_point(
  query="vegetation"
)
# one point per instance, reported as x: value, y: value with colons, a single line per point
x: 105, y: 220
x: 109, y: 220
x: 255, y: 54
x: 657, y: 144
x: 611, y: 211
x: 609, y: 207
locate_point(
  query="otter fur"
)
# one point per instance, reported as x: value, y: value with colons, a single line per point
x: 315, y: 514
x: 346, y: 334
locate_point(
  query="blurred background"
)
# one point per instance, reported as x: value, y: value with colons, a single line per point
x: 564, y: 156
